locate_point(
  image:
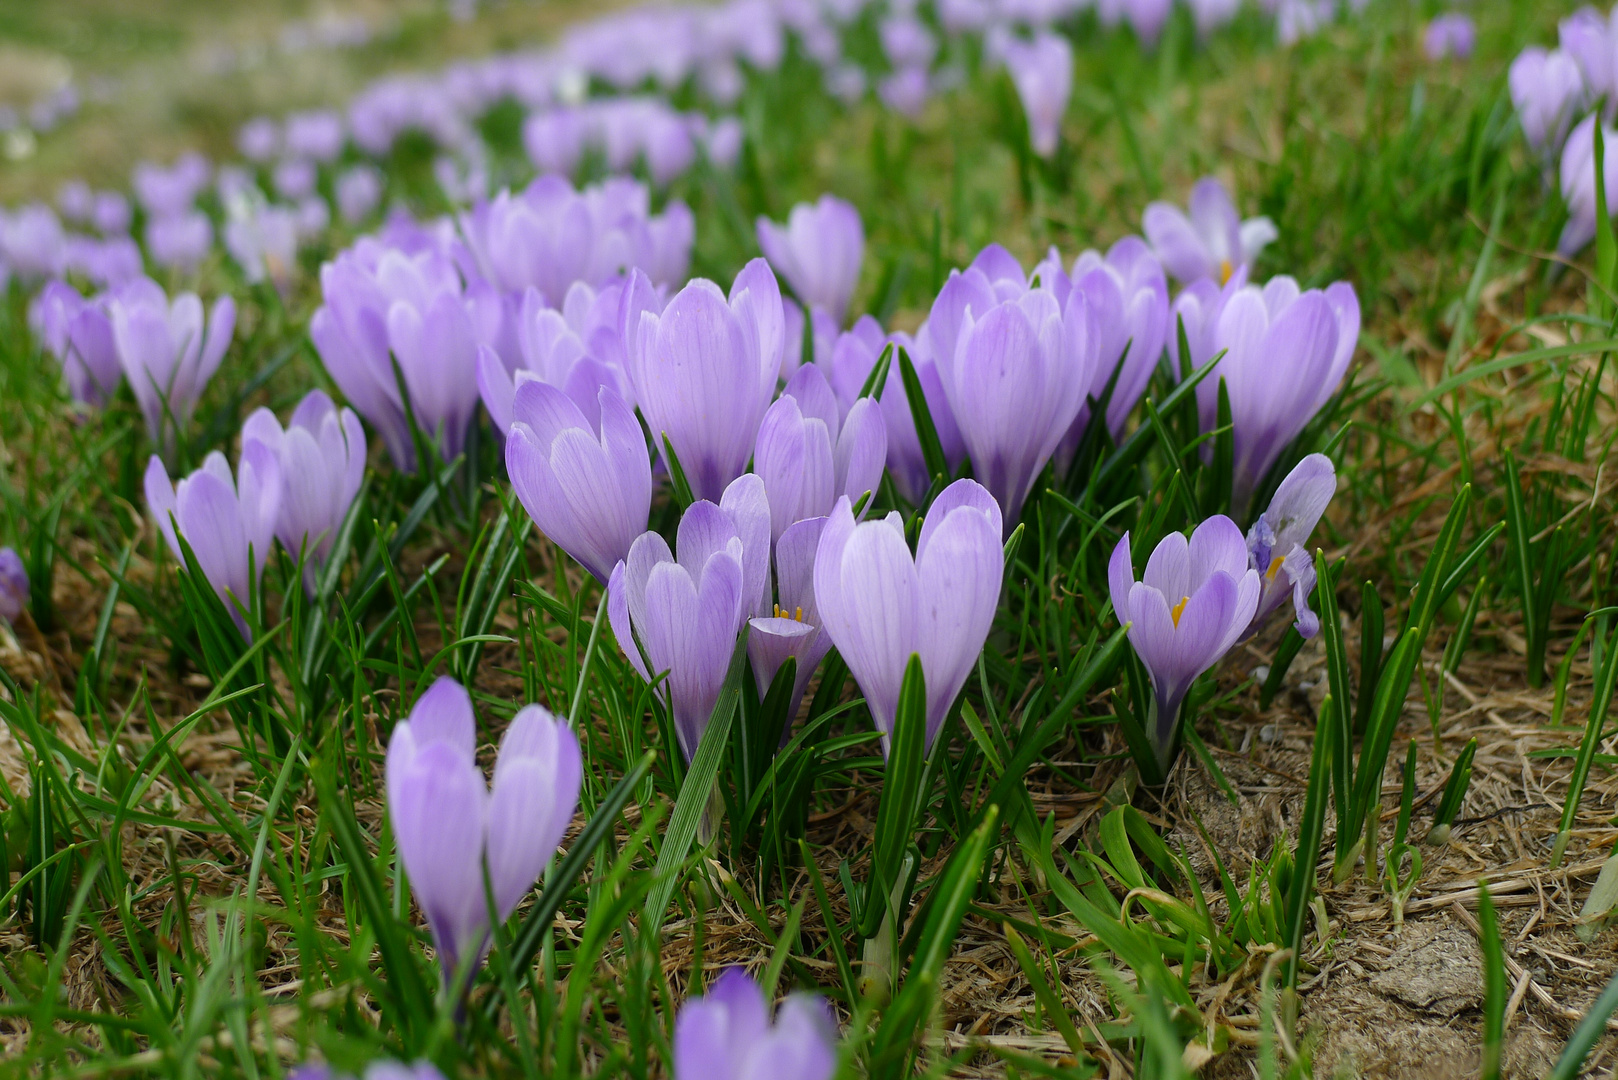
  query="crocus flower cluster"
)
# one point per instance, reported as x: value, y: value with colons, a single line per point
x: 452, y: 828
x: 727, y: 1034
x: 13, y: 584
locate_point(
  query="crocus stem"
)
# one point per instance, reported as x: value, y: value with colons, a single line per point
x: 712, y: 814
x: 877, y: 973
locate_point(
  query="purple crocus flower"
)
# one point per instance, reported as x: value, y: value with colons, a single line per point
x: 264, y: 242
x: 818, y: 251
x: 1212, y: 242
x: 1546, y: 89
x: 1192, y: 604
x: 1145, y: 17
x: 316, y: 135
x: 13, y: 584
x: 179, y: 241
x: 1277, y: 542
x: 259, y: 139
x: 1592, y: 41
x: 880, y: 604
x: 1042, y: 72
x: 228, y: 521
x: 450, y: 826
x: 727, y: 1035
x: 322, y: 457
x: 1579, y: 183
x: 76, y: 201
x: 79, y: 334
x: 376, y: 1070
x: 111, y: 214
x: 170, y: 191
x: 823, y: 332
x: 905, y: 91
x: 793, y: 628
x: 1449, y: 35
x: 684, y: 613
x: 32, y: 242
x: 705, y: 369
x: 359, y: 193
x: 1016, y: 365
x: 167, y: 350
x: 808, y: 457
x: 586, y: 481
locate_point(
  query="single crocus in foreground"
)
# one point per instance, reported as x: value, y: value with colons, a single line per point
x: 818, y: 251
x: 880, y: 604
x: 1277, y: 542
x: 450, y: 826
x: 322, y: 463
x: 1042, y: 72
x: 1579, y: 183
x: 1193, y: 603
x: 1212, y: 241
x: 727, y: 1035
x: 168, y: 350
x: 229, y: 522
x: 586, y: 482
x: 807, y: 457
x: 13, y: 584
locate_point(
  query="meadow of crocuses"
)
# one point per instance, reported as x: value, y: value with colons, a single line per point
x: 827, y: 538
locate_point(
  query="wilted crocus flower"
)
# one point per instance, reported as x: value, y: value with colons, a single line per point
x: 1016, y: 365
x: 1277, y: 542
x: 1592, y: 41
x: 1579, y: 183
x: 13, y: 584
x: 1450, y: 35
x: 880, y: 604
x: 1546, y: 89
x: 322, y: 457
x: 586, y: 482
x: 179, y: 241
x: 808, y: 457
x: 705, y: 369
x: 359, y: 193
x: 1193, y: 603
x: 727, y: 1035
x: 1210, y: 243
x: 818, y: 251
x: 79, y: 334
x: 1042, y: 72
x: 684, y: 614
x: 167, y: 350
x: 793, y: 628
x: 229, y: 522
x: 450, y: 827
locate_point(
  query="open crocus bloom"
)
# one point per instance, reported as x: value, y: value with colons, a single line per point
x: 808, y: 456
x: 450, y: 825
x: 168, y: 351
x: 1212, y: 241
x: 727, y: 1035
x: 1277, y: 544
x: 881, y: 605
x: 818, y: 251
x: 1191, y: 605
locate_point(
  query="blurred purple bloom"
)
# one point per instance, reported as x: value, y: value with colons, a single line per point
x: 13, y: 585
x: 1192, y: 604
x: 167, y: 350
x: 264, y: 242
x: 793, y: 628
x: 321, y: 453
x: 1042, y: 72
x: 450, y: 826
x: 905, y: 91
x: 727, y: 1035
x: 179, y: 241
x: 880, y: 604
x: 1210, y: 243
x: 554, y: 140
x: 79, y: 334
x: 229, y: 522
x: 685, y: 613
x: 294, y: 178
x: 1016, y: 365
x: 907, y: 42
x: 1209, y: 15
x: 1449, y: 35
x: 1592, y: 41
x: 808, y: 457
x: 259, y: 139
x: 316, y: 135
x: 376, y: 1070
x: 1146, y: 17
x: 169, y: 192
x: 1546, y: 88
x: 111, y: 214
x: 76, y: 201
x: 818, y: 251
x: 359, y: 193
x: 1277, y: 542
x: 32, y: 242
x: 705, y: 370
x: 587, y: 483
x: 1579, y: 183
x: 722, y: 142
x: 106, y: 262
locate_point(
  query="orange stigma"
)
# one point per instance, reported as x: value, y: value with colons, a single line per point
x: 1275, y: 568
x: 1179, y: 609
x: 1225, y: 270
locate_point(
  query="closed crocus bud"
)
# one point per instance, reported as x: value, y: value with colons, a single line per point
x: 78, y: 333
x: 727, y: 1035
x: 793, y: 628
x: 1285, y: 352
x: 682, y: 616
x: 168, y: 351
x: 880, y: 604
x: 1450, y: 35
x: 1042, y: 72
x: 450, y: 826
x: 1016, y: 366
x: 1212, y: 241
x: 808, y: 457
x: 1277, y: 544
x: 229, y: 522
x: 586, y: 482
x: 322, y: 457
x: 13, y: 585
x: 1546, y: 89
x: 1579, y: 183
x: 1592, y: 41
x: 818, y: 251
x: 704, y: 372
x: 1192, y: 604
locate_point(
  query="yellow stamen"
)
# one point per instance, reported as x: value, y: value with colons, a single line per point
x: 1225, y: 270
x: 796, y: 614
x: 1179, y: 609
x: 1275, y: 567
